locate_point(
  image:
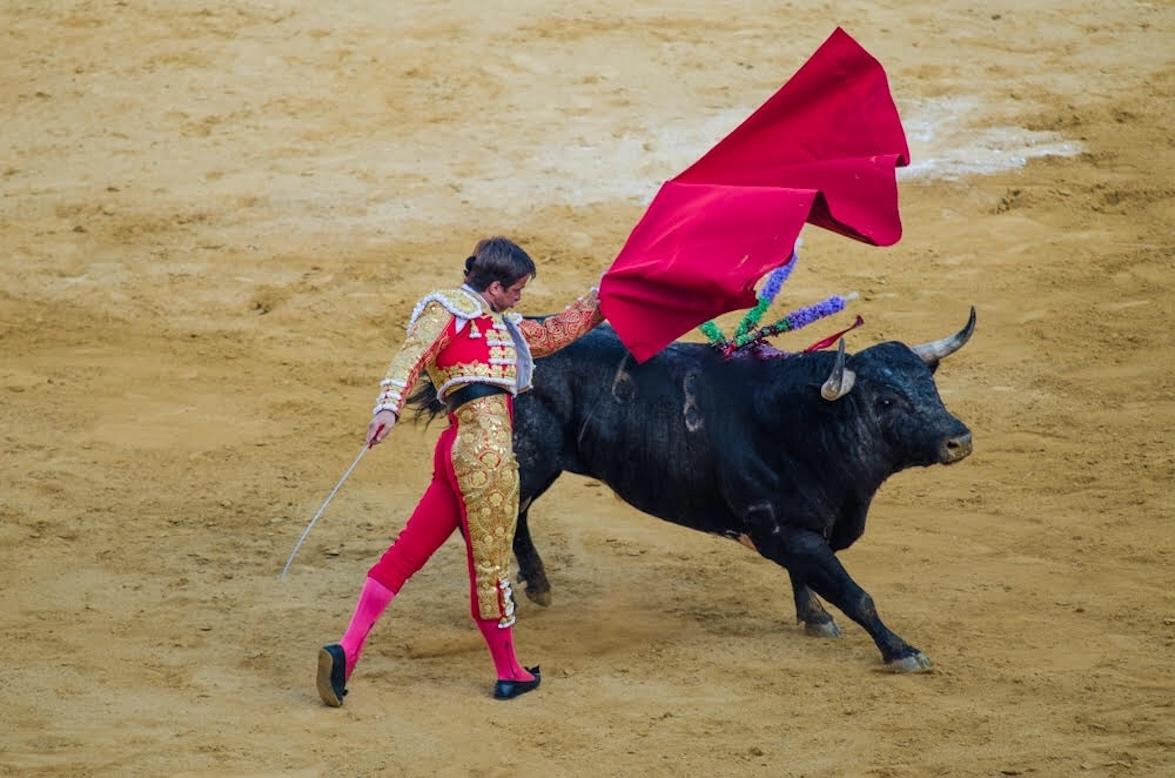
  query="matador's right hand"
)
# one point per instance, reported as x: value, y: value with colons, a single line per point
x: 381, y: 424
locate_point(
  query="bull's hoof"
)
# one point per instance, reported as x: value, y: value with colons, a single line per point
x: 822, y: 629
x: 538, y: 596
x: 914, y: 663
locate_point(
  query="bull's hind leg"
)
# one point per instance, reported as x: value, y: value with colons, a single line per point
x: 808, y: 557
x: 538, y: 441
x: 530, y: 564
x: 809, y: 612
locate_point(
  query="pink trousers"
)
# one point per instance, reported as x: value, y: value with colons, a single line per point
x: 443, y: 508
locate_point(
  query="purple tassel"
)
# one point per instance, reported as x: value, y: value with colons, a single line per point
x: 777, y: 278
x: 805, y: 316
x: 797, y: 319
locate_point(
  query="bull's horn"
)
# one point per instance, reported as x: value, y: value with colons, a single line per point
x: 941, y: 349
x: 841, y: 380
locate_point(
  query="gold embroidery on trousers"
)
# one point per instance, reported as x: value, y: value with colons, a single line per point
x: 487, y: 475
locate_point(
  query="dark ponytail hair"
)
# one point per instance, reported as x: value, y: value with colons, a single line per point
x: 497, y: 259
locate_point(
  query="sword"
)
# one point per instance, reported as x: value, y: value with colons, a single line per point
x: 326, y: 502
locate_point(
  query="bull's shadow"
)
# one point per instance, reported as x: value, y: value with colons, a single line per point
x: 783, y: 454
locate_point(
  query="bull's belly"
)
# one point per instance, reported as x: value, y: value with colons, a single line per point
x: 673, y: 501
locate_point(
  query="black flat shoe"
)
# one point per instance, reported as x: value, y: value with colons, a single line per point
x: 508, y: 690
x: 332, y: 672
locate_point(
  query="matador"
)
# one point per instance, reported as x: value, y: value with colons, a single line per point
x: 478, y: 357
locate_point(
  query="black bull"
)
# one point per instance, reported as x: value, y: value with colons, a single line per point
x: 784, y: 455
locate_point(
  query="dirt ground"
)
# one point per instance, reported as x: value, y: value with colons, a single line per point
x: 216, y: 217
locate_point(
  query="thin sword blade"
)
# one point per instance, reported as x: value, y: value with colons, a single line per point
x: 321, y: 510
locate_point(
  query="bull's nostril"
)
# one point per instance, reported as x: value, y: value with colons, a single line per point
x: 957, y: 448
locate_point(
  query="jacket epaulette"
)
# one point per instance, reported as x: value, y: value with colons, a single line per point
x: 463, y: 303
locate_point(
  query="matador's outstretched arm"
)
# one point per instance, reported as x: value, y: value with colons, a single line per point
x: 554, y: 332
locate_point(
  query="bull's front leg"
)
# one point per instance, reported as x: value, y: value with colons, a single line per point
x: 810, y: 560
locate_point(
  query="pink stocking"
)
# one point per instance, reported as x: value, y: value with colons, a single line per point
x: 501, y: 645
x: 372, y: 601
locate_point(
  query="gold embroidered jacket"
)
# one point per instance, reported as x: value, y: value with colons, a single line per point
x: 455, y: 337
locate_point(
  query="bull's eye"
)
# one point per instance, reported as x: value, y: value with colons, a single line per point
x: 885, y: 403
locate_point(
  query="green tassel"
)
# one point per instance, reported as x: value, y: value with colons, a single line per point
x: 750, y: 320
x: 713, y: 334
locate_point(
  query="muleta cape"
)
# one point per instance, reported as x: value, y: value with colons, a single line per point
x: 822, y: 150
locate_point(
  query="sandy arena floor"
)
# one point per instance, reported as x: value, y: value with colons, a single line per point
x: 215, y: 217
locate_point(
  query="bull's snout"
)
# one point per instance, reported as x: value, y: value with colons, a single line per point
x: 954, y: 449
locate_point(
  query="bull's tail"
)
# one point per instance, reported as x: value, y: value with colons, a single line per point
x: 424, y: 402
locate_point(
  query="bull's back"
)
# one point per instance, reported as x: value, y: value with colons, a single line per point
x: 641, y: 429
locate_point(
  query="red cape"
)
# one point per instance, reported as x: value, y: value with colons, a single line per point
x: 823, y: 150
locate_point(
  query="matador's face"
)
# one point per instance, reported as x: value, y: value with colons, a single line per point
x: 503, y: 298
